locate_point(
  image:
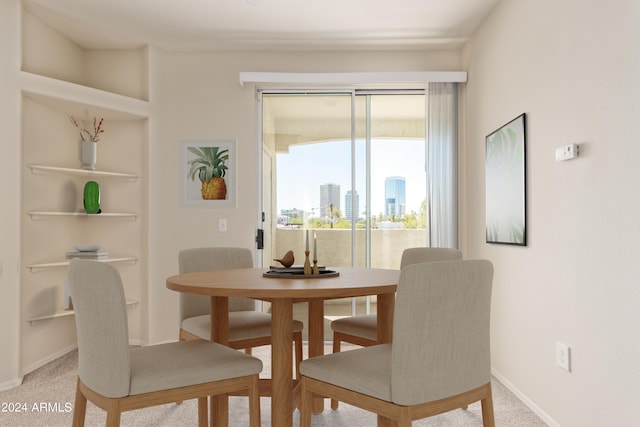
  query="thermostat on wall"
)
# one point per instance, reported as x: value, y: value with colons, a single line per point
x: 567, y: 152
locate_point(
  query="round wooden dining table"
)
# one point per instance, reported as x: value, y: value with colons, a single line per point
x: 282, y: 293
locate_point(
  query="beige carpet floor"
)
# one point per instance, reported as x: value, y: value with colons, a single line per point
x: 45, y: 399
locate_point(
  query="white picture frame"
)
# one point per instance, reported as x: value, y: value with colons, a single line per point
x: 191, y: 169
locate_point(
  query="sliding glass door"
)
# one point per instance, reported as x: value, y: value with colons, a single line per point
x: 391, y: 138
x: 307, y: 139
x: 348, y: 170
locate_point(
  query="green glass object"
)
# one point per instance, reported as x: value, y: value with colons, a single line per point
x: 92, y: 197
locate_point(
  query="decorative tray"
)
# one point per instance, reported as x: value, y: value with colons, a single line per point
x: 298, y: 273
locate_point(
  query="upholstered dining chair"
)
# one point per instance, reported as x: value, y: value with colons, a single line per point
x: 439, y: 359
x: 248, y: 327
x: 362, y: 329
x: 119, y: 378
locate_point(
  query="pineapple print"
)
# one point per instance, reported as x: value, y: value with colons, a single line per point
x: 210, y: 166
x: 216, y: 189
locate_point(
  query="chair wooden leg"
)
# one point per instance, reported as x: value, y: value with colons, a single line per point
x: 336, y: 349
x: 306, y: 403
x: 488, y: 419
x: 404, y: 417
x: 113, y: 415
x: 386, y: 422
x: 219, y: 410
x: 248, y: 351
x: 297, y: 341
x: 254, y: 404
x: 80, y: 407
x: 203, y: 412
x: 336, y: 344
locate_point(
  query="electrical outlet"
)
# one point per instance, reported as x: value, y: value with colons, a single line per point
x: 222, y: 225
x: 563, y: 356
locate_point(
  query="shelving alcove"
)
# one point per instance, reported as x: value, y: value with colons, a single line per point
x: 60, y: 78
x: 54, y: 170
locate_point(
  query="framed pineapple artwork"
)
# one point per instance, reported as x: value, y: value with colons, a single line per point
x: 209, y: 172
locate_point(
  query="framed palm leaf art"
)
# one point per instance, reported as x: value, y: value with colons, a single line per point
x: 506, y: 183
x: 209, y: 171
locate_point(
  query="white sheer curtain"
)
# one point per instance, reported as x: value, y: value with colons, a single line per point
x: 442, y: 161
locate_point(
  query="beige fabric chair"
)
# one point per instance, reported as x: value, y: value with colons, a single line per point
x: 247, y: 327
x: 362, y: 330
x: 439, y: 359
x: 118, y: 378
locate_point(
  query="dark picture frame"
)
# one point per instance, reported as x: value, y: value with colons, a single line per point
x: 506, y: 172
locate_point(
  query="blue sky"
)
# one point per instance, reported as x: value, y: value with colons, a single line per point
x: 301, y: 172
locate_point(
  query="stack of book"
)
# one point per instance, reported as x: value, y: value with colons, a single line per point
x: 88, y: 254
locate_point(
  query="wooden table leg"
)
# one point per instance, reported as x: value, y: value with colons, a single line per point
x: 386, y: 304
x: 219, y: 405
x: 316, y: 342
x: 281, y: 362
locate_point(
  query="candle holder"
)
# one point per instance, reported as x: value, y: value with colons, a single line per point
x: 307, y: 264
x: 315, y: 267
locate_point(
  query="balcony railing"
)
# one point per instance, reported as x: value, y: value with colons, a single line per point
x: 334, y: 250
x: 334, y: 245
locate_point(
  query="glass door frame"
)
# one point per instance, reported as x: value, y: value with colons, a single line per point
x: 260, y: 152
x: 353, y: 93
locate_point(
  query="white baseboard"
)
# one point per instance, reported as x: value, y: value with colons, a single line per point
x: 50, y: 358
x: 530, y: 403
x: 8, y: 385
x: 164, y: 342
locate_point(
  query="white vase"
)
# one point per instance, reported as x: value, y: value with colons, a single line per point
x: 88, y: 155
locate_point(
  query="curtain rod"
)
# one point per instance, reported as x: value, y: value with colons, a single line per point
x: 397, y: 77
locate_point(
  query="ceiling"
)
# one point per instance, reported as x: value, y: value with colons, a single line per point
x: 296, y: 120
x: 206, y: 25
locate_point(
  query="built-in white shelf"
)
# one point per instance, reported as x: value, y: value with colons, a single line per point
x: 124, y: 104
x: 46, y: 265
x: 55, y: 170
x: 74, y: 99
x: 126, y: 215
x: 65, y: 313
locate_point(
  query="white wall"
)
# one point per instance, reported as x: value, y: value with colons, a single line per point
x: 192, y: 96
x: 10, y: 194
x: 197, y: 96
x: 573, y: 67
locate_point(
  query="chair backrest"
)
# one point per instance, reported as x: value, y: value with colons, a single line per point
x: 424, y: 254
x: 441, y: 330
x: 207, y: 259
x: 101, y: 324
